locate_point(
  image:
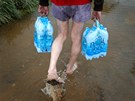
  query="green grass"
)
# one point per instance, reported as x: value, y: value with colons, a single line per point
x: 15, y: 9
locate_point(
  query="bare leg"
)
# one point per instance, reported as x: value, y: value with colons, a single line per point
x: 57, y: 48
x: 76, y: 34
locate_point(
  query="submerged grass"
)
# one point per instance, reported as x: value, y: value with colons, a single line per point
x: 15, y: 9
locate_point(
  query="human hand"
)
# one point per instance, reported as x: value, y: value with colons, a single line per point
x: 43, y: 10
x: 96, y: 15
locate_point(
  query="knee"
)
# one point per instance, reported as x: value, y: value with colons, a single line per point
x: 62, y: 36
x: 76, y: 38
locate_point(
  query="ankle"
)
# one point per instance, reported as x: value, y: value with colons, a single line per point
x: 70, y: 65
x: 52, y: 72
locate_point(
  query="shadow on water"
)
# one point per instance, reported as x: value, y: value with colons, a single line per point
x: 133, y: 69
x: 23, y: 70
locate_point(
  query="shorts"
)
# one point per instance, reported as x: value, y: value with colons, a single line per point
x: 78, y: 13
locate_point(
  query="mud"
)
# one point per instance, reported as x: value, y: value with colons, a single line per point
x: 111, y: 78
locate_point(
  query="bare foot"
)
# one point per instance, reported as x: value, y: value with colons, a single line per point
x: 54, y: 77
x: 70, y: 70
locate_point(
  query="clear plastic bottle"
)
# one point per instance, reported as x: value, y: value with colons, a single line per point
x: 95, y: 41
x: 84, y: 45
x: 49, y: 36
x: 43, y: 35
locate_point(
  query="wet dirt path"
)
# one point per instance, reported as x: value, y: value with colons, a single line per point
x: 112, y: 78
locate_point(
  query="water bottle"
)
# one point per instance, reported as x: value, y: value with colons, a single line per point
x: 49, y: 36
x: 84, y: 45
x: 95, y: 41
x: 43, y: 35
x: 84, y: 41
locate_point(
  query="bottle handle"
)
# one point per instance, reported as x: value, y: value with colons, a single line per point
x: 96, y: 22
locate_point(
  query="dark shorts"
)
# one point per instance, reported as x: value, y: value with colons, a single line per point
x: 78, y: 13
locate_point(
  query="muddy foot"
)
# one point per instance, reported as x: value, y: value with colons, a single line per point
x: 54, y: 79
x: 71, y: 69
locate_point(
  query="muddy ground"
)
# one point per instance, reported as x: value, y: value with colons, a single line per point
x: 111, y: 78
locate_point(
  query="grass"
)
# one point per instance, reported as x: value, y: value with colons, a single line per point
x: 15, y: 9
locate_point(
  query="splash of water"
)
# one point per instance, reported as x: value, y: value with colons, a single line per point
x: 55, y: 90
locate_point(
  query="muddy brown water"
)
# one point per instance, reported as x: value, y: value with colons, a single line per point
x: 111, y: 78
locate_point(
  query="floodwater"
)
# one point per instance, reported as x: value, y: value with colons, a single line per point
x: 111, y: 78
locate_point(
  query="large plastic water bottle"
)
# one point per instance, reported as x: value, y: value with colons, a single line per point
x: 43, y: 35
x: 84, y: 41
x: 95, y: 41
x: 84, y: 45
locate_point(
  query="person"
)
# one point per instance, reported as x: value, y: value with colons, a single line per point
x: 80, y: 12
